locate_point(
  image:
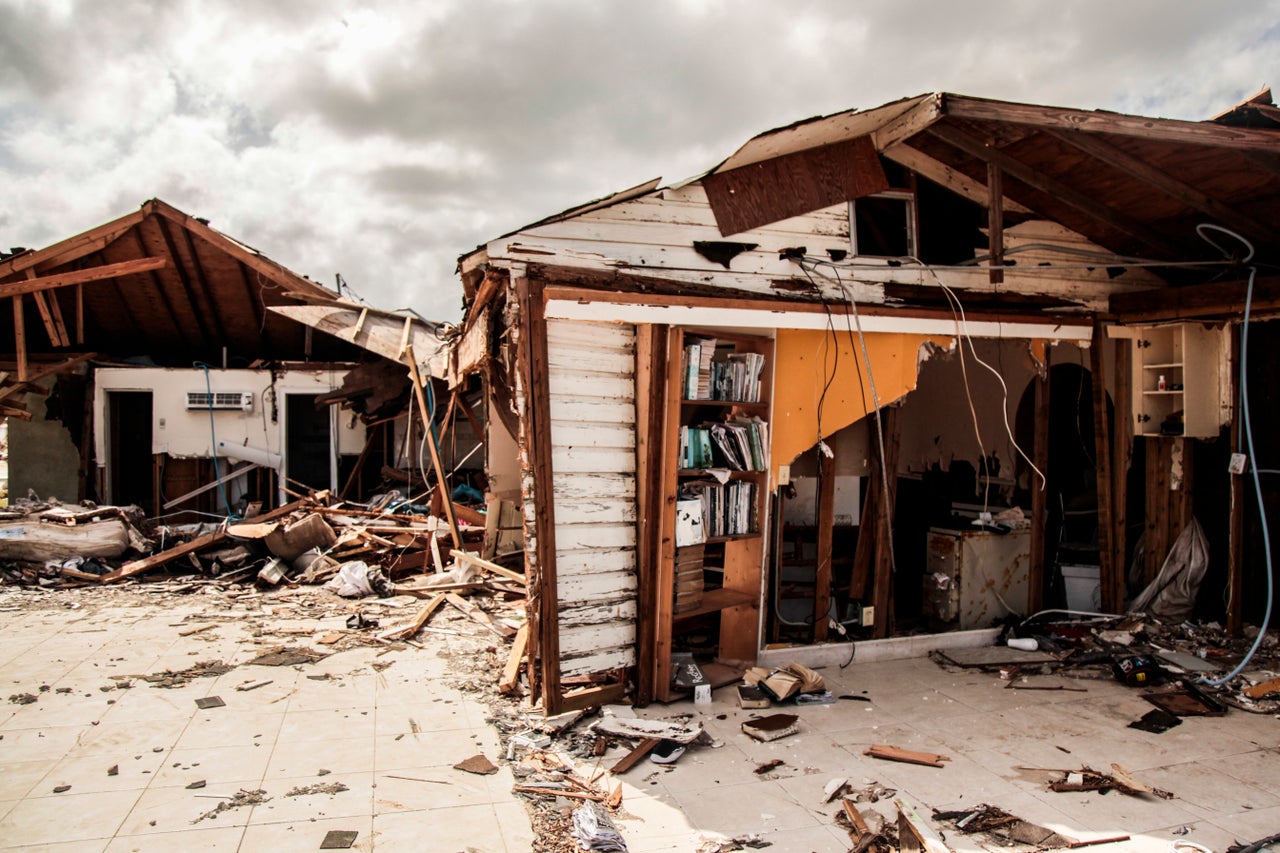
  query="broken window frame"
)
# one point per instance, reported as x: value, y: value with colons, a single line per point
x: 912, y: 223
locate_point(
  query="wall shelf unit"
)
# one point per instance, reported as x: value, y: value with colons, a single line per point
x: 715, y: 478
x: 1179, y: 381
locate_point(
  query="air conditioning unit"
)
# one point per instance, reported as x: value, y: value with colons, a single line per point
x: 239, y: 401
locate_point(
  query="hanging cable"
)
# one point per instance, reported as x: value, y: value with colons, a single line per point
x: 1248, y: 437
x: 213, y: 439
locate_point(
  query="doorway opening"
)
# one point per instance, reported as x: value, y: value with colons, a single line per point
x: 131, y: 463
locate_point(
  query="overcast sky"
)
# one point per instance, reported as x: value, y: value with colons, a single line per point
x: 380, y: 140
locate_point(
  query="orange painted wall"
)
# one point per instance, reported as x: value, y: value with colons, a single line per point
x: 804, y: 359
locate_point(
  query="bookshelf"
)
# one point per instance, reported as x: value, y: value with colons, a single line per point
x: 715, y: 475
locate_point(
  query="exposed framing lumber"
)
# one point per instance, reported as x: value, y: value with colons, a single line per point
x: 202, y: 281
x: 1220, y: 299
x: 1235, y: 542
x: 441, y: 483
x: 995, y: 222
x: 1039, y: 493
x: 591, y: 697
x: 1142, y: 127
x: 651, y: 361
x: 200, y: 490
x: 103, y: 272
x: 1121, y: 457
x: 20, y: 338
x: 510, y: 681
x: 920, y: 117
x: 72, y: 248
x: 7, y: 411
x: 975, y: 147
x: 154, y: 276
x: 197, y: 308
x: 536, y: 424
x: 1135, y: 167
x: 1112, y: 576
x: 826, y: 523
x: 632, y: 758
x: 48, y: 370
x: 882, y: 584
x: 945, y: 176
x: 256, y: 309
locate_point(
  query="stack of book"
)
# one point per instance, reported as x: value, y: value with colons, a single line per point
x: 728, y: 509
x: 740, y: 445
x: 714, y: 371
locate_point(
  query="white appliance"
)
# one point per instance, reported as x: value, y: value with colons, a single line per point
x: 973, y: 577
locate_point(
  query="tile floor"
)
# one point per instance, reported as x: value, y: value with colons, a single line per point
x: 390, y: 725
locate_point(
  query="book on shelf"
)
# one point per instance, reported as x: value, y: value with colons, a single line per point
x: 727, y: 509
x: 739, y: 445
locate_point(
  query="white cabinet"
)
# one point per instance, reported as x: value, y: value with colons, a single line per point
x: 973, y: 577
x: 1180, y: 380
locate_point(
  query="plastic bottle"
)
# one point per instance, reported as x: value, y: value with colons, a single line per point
x: 1160, y: 386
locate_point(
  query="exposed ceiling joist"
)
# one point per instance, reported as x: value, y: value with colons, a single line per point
x: 900, y: 129
x: 1134, y: 167
x: 1219, y: 300
x: 975, y: 147
x: 1168, y: 130
x: 198, y: 308
x: 943, y: 175
x: 73, y: 248
x: 84, y: 276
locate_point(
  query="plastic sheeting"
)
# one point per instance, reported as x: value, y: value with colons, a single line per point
x: 1172, y: 595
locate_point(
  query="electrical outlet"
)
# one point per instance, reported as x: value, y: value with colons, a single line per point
x: 868, y: 616
x: 784, y: 475
x: 1236, y: 465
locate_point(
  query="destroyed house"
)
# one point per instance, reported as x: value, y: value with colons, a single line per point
x: 154, y: 361
x: 886, y: 377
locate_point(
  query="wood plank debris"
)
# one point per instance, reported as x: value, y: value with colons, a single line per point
x: 906, y: 756
x: 510, y: 681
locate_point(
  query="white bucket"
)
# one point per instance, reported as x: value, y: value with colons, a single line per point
x: 1084, y: 587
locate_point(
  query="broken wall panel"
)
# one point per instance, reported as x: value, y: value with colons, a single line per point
x: 593, y: 459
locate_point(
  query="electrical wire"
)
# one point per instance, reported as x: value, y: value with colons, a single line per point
x: 1248, y: 437
x: 213, y: 438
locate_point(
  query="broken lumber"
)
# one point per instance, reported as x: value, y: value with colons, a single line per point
x: 478, y: 615
x: 914, y: 835
x: 633, y: 757
x: 510, y: 682
x: 494, y: 568
x: 906, y: 756
x: 418, y: 622
x: 855, y: 818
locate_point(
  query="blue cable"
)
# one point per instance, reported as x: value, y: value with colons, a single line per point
x: 213, y: 437
x: 1248, y: 437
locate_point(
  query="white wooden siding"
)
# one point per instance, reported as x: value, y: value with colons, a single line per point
x: 653, y: 235
x: 593, y: 463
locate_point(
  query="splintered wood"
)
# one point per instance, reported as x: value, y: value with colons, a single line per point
x: 906, y: 756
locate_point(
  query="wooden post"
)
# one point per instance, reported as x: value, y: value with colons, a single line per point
x: 1112, y: 576
x: 995, y: 221
x: 20, y: 337
x: 651, y: 360
x: 1235, y: 553
x: 1039, y: 492
x: 442, y: 486
x: 1156, y: 541
x: 826, y: 521
x: 1122, y: 457
x: 882, y: 586
x: 536, y: 452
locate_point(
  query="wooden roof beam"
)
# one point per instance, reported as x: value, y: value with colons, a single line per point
x: 1094, y: 121
x: 943, y: 175
x: 975, y: 147
x: 84, y: 276
x: 1218, y: 300
x: 203, y: 282
x: 163, y: 291
x: 197, y: 310
x: 72, y: 249
x: 45, y: 371
x: 1141, y: 170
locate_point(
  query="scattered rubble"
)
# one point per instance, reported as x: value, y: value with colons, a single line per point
x: 239, y: 799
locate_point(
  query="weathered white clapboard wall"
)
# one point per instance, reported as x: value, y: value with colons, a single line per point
x: 593, y: 462
x: 653, y: 236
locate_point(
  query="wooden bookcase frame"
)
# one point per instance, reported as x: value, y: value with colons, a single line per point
x: 738, y: 601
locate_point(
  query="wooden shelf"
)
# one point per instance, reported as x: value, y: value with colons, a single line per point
x: 715, y: 600
x: 711, y: 540
x: 733, y: 475
x: 728, y: 404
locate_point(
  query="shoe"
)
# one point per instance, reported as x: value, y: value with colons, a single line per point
x: 666, y: 752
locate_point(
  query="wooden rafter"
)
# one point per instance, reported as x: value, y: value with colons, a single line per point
x: 163, y: 291
x: 20, y: 337
x: 943, y: 175
x: 1139, y: 169
x: 72, y: 249
x: 1032, y: 177
x: 1142, y: 127
x: 197, y: 308
x: 995, y: 222
x: 203, y: 283
x: 46, y: 371
x: 256, y: 311
x: 103, y: 272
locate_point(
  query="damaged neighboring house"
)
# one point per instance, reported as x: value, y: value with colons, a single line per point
x: 899, y: 371
x: 154, y: 361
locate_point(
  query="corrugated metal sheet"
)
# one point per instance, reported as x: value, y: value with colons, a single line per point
x: 593, y: 461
